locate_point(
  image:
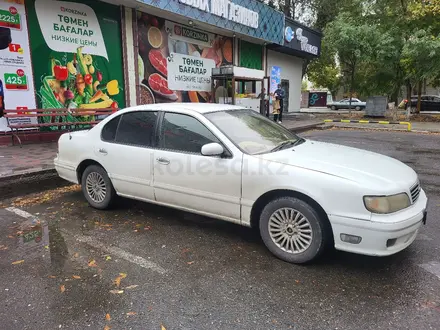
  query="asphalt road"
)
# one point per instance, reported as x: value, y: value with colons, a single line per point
x: 182, y: 271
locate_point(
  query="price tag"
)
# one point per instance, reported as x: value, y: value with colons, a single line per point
x: 10, y: 19
x: 14, y: 81
x: 14, y: 48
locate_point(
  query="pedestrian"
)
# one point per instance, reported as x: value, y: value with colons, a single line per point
x: 280, y: 94
x: 265, y: 97
x: 276, y: 108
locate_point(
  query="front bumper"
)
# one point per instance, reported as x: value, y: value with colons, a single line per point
x: 384, y: 235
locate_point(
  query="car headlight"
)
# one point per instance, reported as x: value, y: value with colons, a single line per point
x: 386, y: 204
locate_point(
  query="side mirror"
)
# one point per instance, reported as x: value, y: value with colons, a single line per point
x: 212, y: 149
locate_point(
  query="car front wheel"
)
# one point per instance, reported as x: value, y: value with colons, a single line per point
x: 293, y: 230
x: 97, y: 187
x: 358, y: 108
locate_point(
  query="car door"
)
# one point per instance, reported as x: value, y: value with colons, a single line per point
x: 184, y: 178
x: 126, y: 152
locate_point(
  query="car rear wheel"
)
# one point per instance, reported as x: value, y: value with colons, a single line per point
x: 334, y: 107
x: 358, y: 108
x: 97, y: 187
x: 293, y: 230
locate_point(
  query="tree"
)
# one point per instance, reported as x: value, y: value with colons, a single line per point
x: 354, y: 43
x: 324, y: 72
x: 421, y: 59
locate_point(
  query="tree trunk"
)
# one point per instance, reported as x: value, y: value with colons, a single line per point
x: 351, y: 91
x: 419, y: 96
x: 408, y: 98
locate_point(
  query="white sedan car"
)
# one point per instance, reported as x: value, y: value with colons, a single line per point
x: 233, y: 164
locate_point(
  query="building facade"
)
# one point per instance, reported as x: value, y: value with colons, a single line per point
x: 90, y: 54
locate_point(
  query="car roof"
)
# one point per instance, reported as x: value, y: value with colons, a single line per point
x: 184, y: 107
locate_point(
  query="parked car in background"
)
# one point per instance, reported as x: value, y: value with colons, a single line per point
x: 234, y: 164
x: 428, y: 102
x: 345, y: 104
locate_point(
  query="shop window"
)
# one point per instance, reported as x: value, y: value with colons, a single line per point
x: 184, y: 133
x: 137, y: 128
x: 251, y: 55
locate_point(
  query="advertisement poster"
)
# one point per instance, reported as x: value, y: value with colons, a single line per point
x: 175, y: 61
x: 77, y: 56
x: 16, y: 80
x: 275, y: 78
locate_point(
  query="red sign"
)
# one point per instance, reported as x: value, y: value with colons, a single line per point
x: 14, y: 48
x: 20, y: 72
x: 13, y: 10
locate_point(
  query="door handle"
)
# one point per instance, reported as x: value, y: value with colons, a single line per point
x: 163, y: 161
x: 102, y: 151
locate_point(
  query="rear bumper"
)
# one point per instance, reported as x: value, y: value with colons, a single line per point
x: 380, y: 238
x: 65, y: 171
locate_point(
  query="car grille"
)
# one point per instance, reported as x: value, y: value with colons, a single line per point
x: 415, y: 192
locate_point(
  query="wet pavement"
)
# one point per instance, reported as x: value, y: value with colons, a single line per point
x: 65, y: 265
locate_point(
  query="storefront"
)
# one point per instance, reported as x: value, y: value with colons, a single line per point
x: 176, y: 55
x: 61, y: 55
x: 285, y: 62
x: 90, y: 54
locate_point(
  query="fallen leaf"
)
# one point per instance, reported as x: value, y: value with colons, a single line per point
x: 131, y: 287
x: 46, y: 247
x: 107, y: 327
x: 62, y: 288
x: 190, y: 262
x: 117, y: 281
x: 123, y: 275
x: 52, y: 276
x: 18, y: 262
x: 108, y: 317
x: 76, y: 277
x: 76, y: 255
x: 131, y: 313
x: 147, y: 228
x: 10, y: 236
x: 92, y: 263
x: 3, y: 247
x: 116, y: 291
x: 162, y: 327
x: 296, y: 281
x: 108, y: 258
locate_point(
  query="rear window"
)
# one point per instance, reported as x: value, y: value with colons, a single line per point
x: 137, y: 128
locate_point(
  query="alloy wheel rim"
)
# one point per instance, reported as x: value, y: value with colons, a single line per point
x: 290, y: 230
x: 95, y: 186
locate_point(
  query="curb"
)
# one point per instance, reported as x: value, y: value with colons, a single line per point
x: 381, y: 122
x: 305, y: 128
x: 29, y: 182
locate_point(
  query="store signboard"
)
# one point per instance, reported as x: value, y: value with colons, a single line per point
x: 302, y: 39
x: 189, y: 73
x: 175, y: 61
x: 275, y: 78
x: 67, y: 25
x: 16, y: 79
x: 248, y: 17
x: 77, y: 55
x: 226, y: 9
x: 189, y: 35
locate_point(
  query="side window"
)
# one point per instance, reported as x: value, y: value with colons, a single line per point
x: 184, y: 133
x: 137, y: 128
x: 108, y: 132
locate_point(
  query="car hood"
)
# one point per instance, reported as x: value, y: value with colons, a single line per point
x: 361, y: 166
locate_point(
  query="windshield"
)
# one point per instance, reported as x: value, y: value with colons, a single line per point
x: 251, y: 132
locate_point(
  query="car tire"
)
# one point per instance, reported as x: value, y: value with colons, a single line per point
x: 334, y: 107
x: 97, y: 187
x: 303, y: 239
x: 358, y: 108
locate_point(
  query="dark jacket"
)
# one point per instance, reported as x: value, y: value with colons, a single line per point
x: 280, y: 93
